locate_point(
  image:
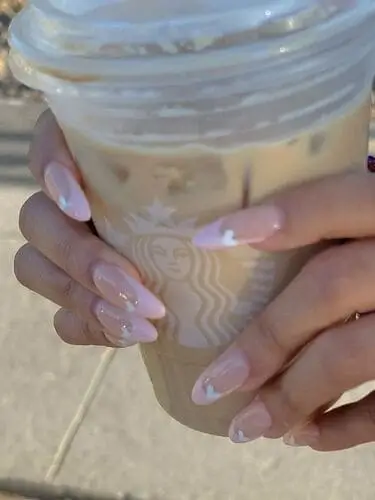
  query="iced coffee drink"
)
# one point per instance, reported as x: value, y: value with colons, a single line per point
x: 188, y: 114
x: 148, y: 205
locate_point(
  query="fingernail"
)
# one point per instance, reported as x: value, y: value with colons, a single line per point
x: 251, y: 226
x: 66, y: 192
x: 305, y: 436
x: 251, y: 424
x: 371, y: 164
x: 126, y: 292
x: 123, y: 329
x: 227, y: 374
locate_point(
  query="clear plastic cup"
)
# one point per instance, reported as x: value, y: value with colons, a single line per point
x: 179, y: 112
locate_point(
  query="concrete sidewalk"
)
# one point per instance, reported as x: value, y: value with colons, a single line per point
x: 87, y: 418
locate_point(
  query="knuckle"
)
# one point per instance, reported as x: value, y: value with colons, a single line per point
x: 331, y: 363
x: 327, y: 275
x: 75, y: 297
x: 289, y: 409
x: 22, y: 264
x: 68, y: 291
x: 344, y: 357
x: 27, y: 220
x: 78, y: 257
x: 63, y: 249
x: 340, y: 358
x: 270, y: 335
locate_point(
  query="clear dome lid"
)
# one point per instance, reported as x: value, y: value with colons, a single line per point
x: 180, y: 26
x: 91, y: 36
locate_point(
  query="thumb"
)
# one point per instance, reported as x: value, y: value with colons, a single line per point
x: 332, y: 208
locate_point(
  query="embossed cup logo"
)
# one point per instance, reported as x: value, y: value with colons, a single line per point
x: 205, y: 306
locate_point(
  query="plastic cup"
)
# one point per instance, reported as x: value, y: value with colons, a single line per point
x: 180, y: 112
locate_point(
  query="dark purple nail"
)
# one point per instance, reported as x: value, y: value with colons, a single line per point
x: 371, y: 164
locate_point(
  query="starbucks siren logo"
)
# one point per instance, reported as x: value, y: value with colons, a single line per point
x: 195, y: 285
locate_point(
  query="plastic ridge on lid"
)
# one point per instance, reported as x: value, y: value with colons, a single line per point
x: 78, y: 7
x: 84, y: 41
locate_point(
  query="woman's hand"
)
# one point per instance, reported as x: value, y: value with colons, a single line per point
x: 103, y: 301
x: 308, y: 319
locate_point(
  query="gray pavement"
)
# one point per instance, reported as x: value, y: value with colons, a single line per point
x: 87, y: 418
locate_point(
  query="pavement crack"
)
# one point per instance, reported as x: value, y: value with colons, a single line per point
x: 79, y: 417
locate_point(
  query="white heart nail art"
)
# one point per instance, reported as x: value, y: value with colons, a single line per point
x: 228, y: 239
x: 211, y: 393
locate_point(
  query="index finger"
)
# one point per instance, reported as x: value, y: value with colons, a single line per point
x: 48, y: 145
x: 55, y: 170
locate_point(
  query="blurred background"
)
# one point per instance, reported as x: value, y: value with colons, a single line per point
x: 82, y: 423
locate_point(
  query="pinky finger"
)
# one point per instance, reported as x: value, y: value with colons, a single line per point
x: 74, y: 330
x: 340, y: 429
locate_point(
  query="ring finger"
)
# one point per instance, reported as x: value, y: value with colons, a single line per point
x: 336, y: 361
x: 108, y: 324
x: 327, y: 291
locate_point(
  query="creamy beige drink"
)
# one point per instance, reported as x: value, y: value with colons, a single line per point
x: 148, y: 204
x: 181, y: 111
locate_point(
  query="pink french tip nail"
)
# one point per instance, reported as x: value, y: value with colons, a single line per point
x: 223, y: 377
x: 251, y: 424
x: 214, y: 236
x: 123, y: 329
x: 126, y: 292
x: 251, y: 226
x: 66, y: 192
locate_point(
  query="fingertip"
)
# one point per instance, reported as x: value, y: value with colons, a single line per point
x: 64, y: 189
x: 252, y: 226
x: 212, y: 237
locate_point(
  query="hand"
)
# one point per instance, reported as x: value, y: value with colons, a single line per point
x: 103, y: 301
x: 294, y: 392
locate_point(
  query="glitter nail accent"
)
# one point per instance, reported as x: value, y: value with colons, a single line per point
x: 127, y: 330
x: 130, y: 301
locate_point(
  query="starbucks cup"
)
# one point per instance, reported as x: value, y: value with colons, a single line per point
x: 180, y: 112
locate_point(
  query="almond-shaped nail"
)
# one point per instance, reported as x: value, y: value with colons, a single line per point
x: 123, y: 329
x: 251, y: 226
x: 227, y: 374
x: 304, y: 436
x: 251, y: 424
x: 124, y: 291
x: 66, y: 192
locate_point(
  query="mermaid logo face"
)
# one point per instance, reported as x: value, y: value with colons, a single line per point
x: 172, y: 257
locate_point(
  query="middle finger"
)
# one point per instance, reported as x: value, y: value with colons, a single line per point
x: 329, y: 289
x: 340, y: 359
